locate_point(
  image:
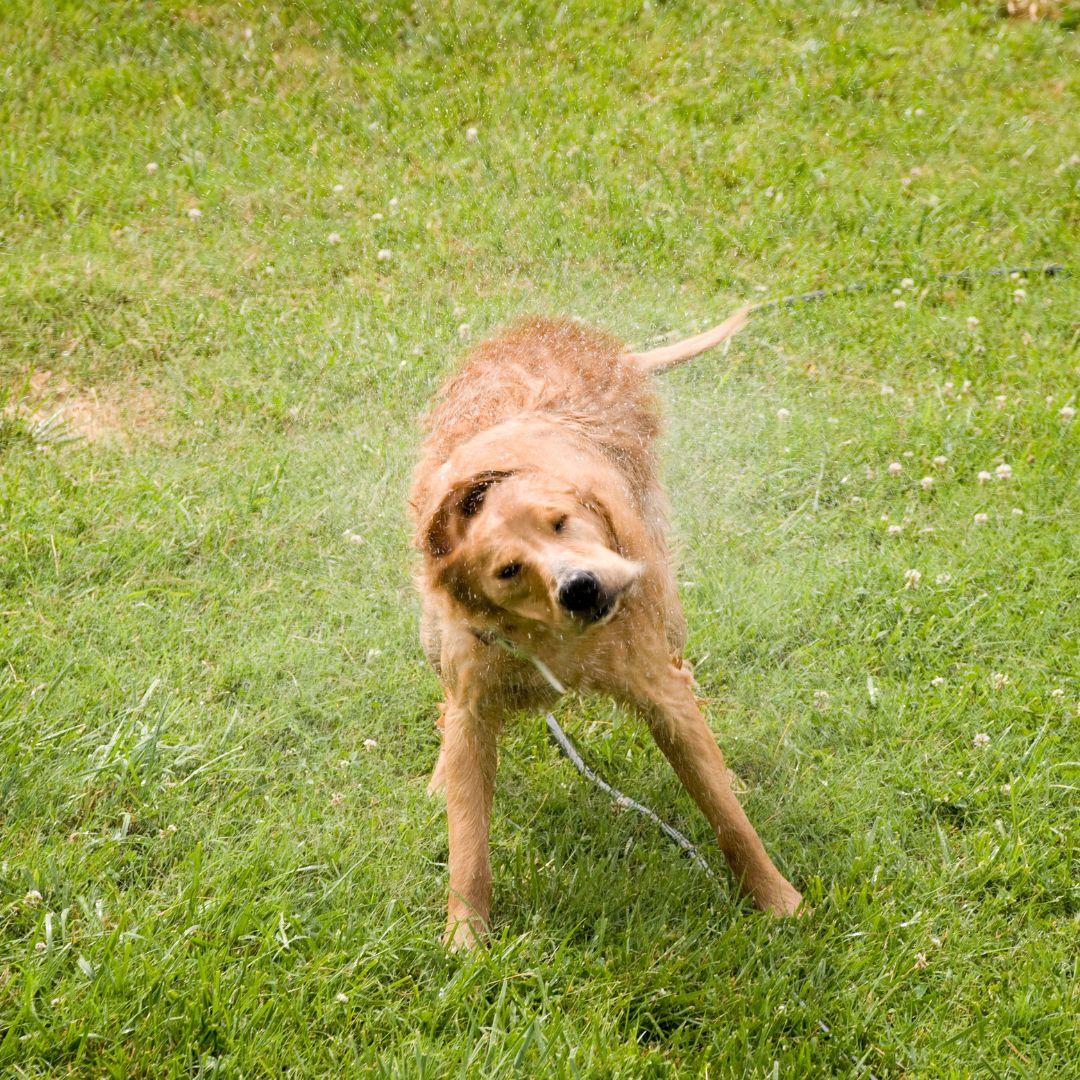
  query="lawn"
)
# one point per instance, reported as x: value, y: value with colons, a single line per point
x: 240, y: 244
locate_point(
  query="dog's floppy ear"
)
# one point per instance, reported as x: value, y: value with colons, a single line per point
x: 443, y: 529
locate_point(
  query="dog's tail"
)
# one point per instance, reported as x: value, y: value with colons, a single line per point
x: 669, y: 355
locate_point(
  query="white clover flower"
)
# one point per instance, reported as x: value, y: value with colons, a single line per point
x: 938, y: 680
x: 921, y: 962
x: 384, y: 255
x: 472, y: 135
x: 334, y: 238
x: 912, y: 579
x: 339, y: 188
x: 464, y: 330
x: 972, y: 321
x: 336, y: 799
x: 1066, y: 412
x: 943, y: 579
x: 1019, y: 295
x: 948, y: 387
x: 926, y: 483
x: 887, y: 390
x: 981, y: 740
x: 941, y: 461
x: 999, y: 680
x: 1017, y: 512
x: 895, y: 530
x: 376, y: 216
x: 920, y: 112
x: 151, y: 167
x: 821, y: 700
x: 342, y: 998
x: 1004, y: 471
x: 895, y: 468
x: 32, y: 898
x: 899, y: 303
x: 1057, y: 692
x: 370, y: 744
x: 1002, y: 400
x: 783, y: 414
x: 194, y: 213
x: 984, y: 477
x: 907, y: 283
x: 981, y: 519
x: 394, y: 201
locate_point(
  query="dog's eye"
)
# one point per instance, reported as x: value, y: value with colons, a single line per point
x: 510, y: 570
x: 559, y: 524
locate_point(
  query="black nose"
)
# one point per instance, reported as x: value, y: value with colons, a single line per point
x: 580, y: 592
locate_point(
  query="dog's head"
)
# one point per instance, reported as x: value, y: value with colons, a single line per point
x: 532, y: 546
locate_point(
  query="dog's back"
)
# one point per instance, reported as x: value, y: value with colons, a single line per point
x: 551, y: 368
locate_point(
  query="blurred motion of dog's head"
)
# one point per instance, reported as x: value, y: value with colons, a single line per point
x: 525, y: 546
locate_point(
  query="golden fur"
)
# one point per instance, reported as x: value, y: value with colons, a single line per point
x: 540, y: 519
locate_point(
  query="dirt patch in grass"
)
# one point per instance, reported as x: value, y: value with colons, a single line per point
x: 1032, y: 10
x: 56, y: 409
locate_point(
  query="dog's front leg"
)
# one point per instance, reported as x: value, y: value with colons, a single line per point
x: 468, y: 759
x: 676, y: 723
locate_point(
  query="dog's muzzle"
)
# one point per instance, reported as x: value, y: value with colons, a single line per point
x: 582, y: 595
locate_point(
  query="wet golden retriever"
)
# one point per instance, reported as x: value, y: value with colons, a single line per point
x: 541, y: 523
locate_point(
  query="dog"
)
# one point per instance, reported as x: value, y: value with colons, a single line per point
x: 540, y: 521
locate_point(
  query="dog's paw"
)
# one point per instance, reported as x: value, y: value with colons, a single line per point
x: 783, y: 901
x: 462, y: 936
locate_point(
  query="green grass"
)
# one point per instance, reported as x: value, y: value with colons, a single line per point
x: 193, y: 653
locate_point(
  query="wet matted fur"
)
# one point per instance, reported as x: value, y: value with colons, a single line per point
x: 540, y: 518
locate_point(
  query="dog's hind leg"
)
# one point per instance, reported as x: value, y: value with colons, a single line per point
x: 431, y: 639
x: 669, y: 706
x: 437, y: 783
